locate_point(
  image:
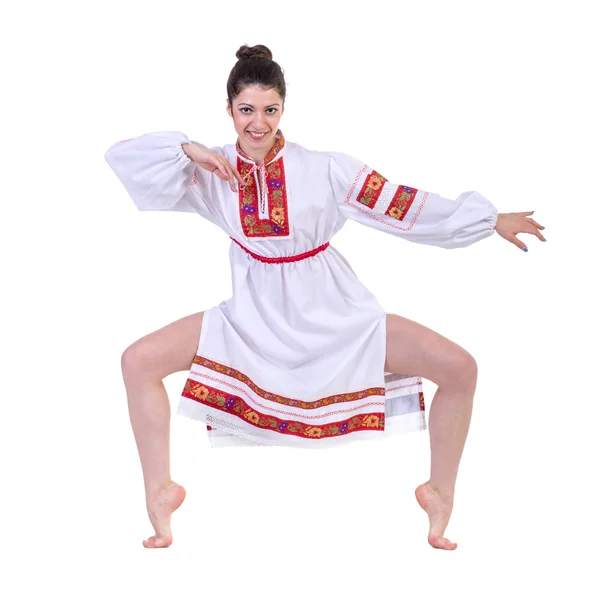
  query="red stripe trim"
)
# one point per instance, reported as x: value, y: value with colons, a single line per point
x: 421, y: 406
x: 283, y: 259
x: 271, y: 397
x: 232, y: 404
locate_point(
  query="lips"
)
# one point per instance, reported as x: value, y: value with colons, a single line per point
x: 257, y: 135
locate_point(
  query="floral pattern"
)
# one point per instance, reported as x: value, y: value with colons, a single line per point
x: 277, y: 224
x: 235, y: 405
x: 371, y: 189
x: 401, y: 201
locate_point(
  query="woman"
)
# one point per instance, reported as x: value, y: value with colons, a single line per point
x: 302, y: 354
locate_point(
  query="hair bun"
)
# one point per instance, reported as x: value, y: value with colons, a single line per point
x: 258, y: 51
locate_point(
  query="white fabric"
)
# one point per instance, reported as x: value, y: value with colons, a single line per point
x: 296, y: 332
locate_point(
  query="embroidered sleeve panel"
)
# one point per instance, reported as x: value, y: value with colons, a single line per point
x: 368, y: 197
x: 382, y: 196
x: 368, y: 191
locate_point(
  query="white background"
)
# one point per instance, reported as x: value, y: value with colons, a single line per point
x: 498, y: 97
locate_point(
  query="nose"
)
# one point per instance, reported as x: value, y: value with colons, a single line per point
x: 259, y: 123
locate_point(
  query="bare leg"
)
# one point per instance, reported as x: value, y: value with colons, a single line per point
x: 414, y: 349
x: 449, y: 420
x: 144, y: 364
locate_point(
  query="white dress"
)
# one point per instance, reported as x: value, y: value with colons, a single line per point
x: 296, y: 356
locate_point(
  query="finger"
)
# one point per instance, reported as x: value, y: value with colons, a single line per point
x: 538, y: 233
x: 518, y: 243
x: 526, y: 213
x: 237, y: 175
x: 219, y: 174
x: 222, y: 174
x: 232, y: 176
x: 531, y: 228
x: 229, y: 170
x: 535, y: 223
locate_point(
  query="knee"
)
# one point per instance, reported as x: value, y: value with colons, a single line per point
x: 461, y: 371
x: 134, y: 358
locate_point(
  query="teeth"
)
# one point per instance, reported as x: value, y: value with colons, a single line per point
x: 254, y: 135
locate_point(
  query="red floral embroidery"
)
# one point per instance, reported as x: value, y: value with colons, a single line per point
x: 401, y: 202
x: 235, y: 405
x: 371, y: 189
x: 374, y: 186
x: 227, y: 402
x: 277, y: 224
x: 371, y: 214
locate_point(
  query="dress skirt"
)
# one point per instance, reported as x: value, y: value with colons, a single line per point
x: 296, y: 358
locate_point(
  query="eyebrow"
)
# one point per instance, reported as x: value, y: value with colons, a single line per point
x: 252, y: 106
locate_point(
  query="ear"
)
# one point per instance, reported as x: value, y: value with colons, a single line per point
x: 228, y: 107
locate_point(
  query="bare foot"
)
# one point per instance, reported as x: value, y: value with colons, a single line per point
x: 160, y: 506
x: 438, y: 509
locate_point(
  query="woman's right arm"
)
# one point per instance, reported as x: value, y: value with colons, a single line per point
x: 215, y: 163
x: 159, y: 175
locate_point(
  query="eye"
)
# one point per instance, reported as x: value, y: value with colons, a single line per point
x: 244, y: 108
x: 273, y: 109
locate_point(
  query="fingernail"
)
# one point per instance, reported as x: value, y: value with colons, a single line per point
x: 525, y: 250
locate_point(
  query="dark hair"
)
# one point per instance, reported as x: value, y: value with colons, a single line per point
x: 255, y: 66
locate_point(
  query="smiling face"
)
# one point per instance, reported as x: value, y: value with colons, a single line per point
x: 256, y: 113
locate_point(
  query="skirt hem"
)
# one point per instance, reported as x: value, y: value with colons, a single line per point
x: 221, y: 435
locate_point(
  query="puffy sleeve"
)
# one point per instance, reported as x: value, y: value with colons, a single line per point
x: 364, y: 195
x: 158, y: 175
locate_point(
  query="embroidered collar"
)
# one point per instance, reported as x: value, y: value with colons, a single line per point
x: 273, y: 152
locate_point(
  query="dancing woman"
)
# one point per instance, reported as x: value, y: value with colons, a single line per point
x: 302, y: 354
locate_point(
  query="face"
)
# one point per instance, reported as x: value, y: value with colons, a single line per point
x: 256, y: 111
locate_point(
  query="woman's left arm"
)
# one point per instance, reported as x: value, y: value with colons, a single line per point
x: 509, y: 224
x: 364, y: 195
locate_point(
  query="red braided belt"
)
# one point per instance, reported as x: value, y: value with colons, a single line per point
x: 283, y: 259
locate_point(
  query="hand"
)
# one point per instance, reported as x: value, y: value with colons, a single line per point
x: 215, y: 163
x: 509, y: 224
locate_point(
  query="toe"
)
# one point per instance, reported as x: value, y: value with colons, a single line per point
x: 157, y: 542
x: 442, y: 542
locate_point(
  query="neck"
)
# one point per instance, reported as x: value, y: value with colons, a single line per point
x: 258, y: 156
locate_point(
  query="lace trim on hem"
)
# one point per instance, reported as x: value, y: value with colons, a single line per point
x: 229, y: 433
